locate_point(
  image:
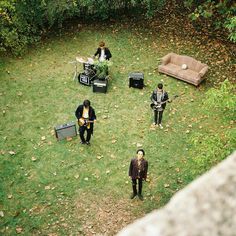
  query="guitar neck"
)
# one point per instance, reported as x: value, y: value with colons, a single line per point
x: 165, y: 101
x: 169, y: 99
x: 88, y: 121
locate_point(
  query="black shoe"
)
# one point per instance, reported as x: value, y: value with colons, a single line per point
x: 82, y: 142
x: 133, y: 196
x: 88, y: 143
x: 140, y: 196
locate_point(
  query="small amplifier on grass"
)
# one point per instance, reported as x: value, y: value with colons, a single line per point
x: 136, y: 80
x: 65, y: 131
x: 100, y: 86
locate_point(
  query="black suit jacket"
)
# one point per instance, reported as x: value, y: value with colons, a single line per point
x: 107, y: 53
x: 133, y: 169
x: 163, y: 98
x: 92, y: 115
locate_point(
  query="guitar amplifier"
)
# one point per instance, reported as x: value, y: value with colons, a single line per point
x: 100, y: 86
x: 136, y: 80
x: 65, y: 131
x: 84, y: 79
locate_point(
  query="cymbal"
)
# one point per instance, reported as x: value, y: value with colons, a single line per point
x: 80, y: 59
x: 90, y: 60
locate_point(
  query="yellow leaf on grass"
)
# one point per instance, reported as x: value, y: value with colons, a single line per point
x: 33, y: 158
x: 139, y: 145
x: 19, y: 230
x: 76, y: 176
x: 177, y: 169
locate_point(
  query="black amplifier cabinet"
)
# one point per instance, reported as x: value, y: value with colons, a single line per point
x: 136, y: 80
x: 100, y: 86
x: 84, y: 79
x: 65, y: 131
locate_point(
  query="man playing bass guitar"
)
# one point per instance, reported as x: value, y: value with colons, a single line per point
x: 86, y: 118
x: 159, y: 98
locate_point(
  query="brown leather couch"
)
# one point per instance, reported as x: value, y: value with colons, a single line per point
x: 183, y: 67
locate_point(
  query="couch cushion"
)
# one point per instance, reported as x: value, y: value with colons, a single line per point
x: 189, y: 61
x: 170, y: 68
x: 188, y: 75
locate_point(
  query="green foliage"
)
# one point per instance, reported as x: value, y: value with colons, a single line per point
x: 231, y: 26
x: 56, y: 12
x: 214, y: 15
x: 223, y: 99
x: 153, y: 6
x: 23, y: 22
x: 211, y: 149
x: 7, y: 34
x: 19, y: 26
x: 102, y: 68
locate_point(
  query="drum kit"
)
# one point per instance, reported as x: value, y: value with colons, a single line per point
x: 88, y: 65
x: 91, y: 74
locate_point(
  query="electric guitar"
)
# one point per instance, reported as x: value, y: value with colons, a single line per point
x: 158, y: 105
x: 84, y: 122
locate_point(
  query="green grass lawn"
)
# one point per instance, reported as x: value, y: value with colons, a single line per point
x: 63, y: 188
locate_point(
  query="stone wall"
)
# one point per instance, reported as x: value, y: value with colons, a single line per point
x: 206, y: 207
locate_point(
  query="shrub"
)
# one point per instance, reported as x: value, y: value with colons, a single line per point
x: 231, y: 26
x: 214, y: 147
x: 213, y: 16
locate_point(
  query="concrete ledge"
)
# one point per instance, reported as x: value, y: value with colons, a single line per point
x: 206, y: 207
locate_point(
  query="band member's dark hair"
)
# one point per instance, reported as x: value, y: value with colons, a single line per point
x: 140, y: 150
x: 101, y: 44
x: 86, y: 103
x: 160, y: 86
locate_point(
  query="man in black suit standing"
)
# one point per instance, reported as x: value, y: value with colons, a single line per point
x: 138, y: 172
x: 159, y: 98
x: 86, y: 117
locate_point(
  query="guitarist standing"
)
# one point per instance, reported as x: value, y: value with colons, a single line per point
x: 86, y: 118
x: 159, y: 98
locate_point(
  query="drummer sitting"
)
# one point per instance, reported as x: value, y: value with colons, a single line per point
x: 103, y: 52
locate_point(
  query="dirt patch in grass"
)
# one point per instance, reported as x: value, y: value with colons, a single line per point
x: 104, y: 216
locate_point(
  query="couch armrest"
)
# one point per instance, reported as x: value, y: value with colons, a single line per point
x: 203, y: 71
x: 166, y: 59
